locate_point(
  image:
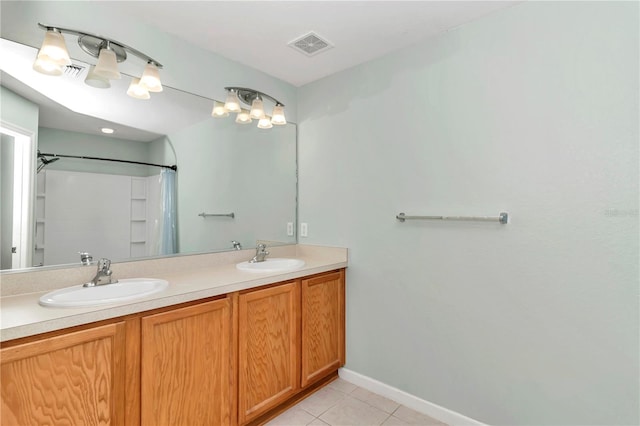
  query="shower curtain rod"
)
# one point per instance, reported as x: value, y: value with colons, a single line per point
x: 174, y: 167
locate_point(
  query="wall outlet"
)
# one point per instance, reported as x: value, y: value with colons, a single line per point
x: 304, y: 230
x: 290, y: 229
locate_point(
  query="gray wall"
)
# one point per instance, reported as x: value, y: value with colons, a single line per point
x: 225, y: 167
x: 532, y: 110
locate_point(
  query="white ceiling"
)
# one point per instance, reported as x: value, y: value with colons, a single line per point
x: 257, y: 33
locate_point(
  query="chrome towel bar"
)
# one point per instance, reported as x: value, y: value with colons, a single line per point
x: 231, y: 215
x: 503, y: 218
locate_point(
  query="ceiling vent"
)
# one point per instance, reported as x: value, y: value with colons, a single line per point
x: 73, y: 70
x: 310, y: 44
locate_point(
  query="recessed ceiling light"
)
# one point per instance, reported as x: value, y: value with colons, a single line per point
x: 107, y: 130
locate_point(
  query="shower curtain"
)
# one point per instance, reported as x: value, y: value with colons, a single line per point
x: 167, y: 243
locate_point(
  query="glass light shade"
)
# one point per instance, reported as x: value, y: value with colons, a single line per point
x: 278, y: 116
x: 136, y: 90
x: 54, y: 48
x: 151, y: 78
x: 44, y: 66
x: 107, y: 65
x: 232, y: 104
x: 218, y: 110
x: 265, y: 123
x: 257, y: 110
x: 95, y: 80
x: 243, y: 117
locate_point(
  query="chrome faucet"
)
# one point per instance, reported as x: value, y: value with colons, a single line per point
x: 236, y: 245
x: 261, y: 253
x: 103, y: 276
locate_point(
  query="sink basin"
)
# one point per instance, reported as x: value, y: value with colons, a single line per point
x: 274, y: 264
x: 122, y: 291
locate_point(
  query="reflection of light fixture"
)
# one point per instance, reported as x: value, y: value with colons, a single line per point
x: 278, y: 115
x: 254, y: 98
x: 265, y: 123
x: 243, y: 117
x: 257, y: 109
x: 53, y: 57
x: 136, y: 90
x: 232, y: 104
x: 219, y: 110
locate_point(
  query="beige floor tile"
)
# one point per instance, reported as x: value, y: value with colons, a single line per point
x: 292, y: 417
x: 321, y: 401
x: 415, y: 418
x: 375, y: 400
x: 352, y: 412
x: 394, y: 421
x: 342, y: 385
x: 318, y: 422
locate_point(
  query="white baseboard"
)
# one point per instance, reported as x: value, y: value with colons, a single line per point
x: 430, y: 409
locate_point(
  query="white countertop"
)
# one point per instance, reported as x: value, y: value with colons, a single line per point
x: 21, y: 315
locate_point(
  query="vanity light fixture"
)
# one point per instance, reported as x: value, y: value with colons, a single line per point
x: 53, y: 57
x: 254, y: 98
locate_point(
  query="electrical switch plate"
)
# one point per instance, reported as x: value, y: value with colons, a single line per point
x: 290, y: 229
x: 303, y: 230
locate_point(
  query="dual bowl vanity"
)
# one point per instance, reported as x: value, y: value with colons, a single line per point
x: 214, y: 344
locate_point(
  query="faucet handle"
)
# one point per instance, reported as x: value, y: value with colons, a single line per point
x: 85, y: 258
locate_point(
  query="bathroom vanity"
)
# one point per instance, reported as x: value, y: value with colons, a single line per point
x: 236, y: 352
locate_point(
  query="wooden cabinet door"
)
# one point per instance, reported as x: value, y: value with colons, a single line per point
x: 323, y: 337
x: 268, y: 349
x: 72, y: 379
x: 186, y: 363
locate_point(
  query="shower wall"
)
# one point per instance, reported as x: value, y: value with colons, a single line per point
x: 112, y: 216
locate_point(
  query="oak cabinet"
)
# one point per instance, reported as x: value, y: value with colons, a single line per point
x: 75, y: 378
x: 268, y: 348
x: 224, y: 361
x: 323, y: 316
x: 186, y: 366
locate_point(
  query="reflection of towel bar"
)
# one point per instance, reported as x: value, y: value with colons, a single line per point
x: 231, y: 215
x: 503, y: 218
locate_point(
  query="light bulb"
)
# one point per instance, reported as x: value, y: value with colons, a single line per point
x: 257, y: 110
x: 44, y: 66
x: 243, y: 117
x: 278, y: 115
x: 54, y: 48
x: 265, y: 123
x: 232, y: 103
x: 107, y: 65
x: 151, y: 78
x: 95, y: 80
x: 218, y: 110
x: 53, y: 55
x: 137, y: 91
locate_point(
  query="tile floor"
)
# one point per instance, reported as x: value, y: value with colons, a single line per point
x: 342, y: 403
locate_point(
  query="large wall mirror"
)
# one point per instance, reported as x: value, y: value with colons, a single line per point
x: 233, y: 182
